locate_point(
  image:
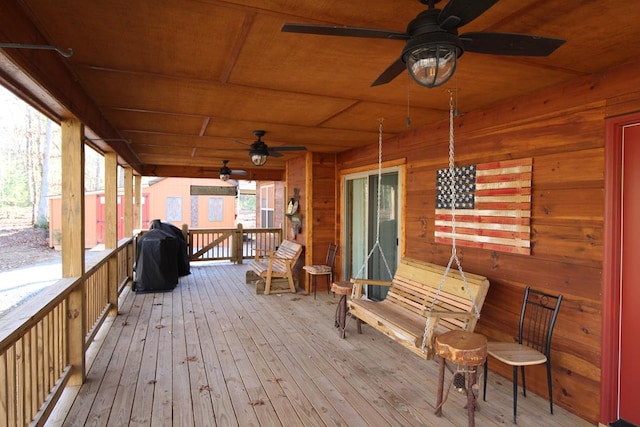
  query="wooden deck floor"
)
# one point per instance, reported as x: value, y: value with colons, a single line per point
x: 213, y: 353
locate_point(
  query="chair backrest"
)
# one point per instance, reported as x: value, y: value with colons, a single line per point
x: 538, y: 317
x: 332, y: 251
x: 287, y: 250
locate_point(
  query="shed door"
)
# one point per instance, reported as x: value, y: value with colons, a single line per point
x: 629, y: 379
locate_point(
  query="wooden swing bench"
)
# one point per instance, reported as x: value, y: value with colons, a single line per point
x: 279, y: 264
x: 402, y: 314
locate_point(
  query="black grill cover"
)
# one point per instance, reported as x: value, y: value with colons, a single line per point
x: 183, y: 253
x: 156, y: 267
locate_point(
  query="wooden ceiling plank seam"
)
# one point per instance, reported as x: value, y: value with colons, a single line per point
x: 205, y: 125
x: 213, y: 83
x: 240, y: 39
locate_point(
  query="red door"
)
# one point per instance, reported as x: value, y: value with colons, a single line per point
x: 629, y: 377
x: 100, y: 219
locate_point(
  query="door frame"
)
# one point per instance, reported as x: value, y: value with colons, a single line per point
x: 610, y: 348
x: 398, y: 166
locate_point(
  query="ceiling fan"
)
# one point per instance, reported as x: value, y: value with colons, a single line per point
x: 433, y: 44
x: 225, y: 172
x: 259, y: 152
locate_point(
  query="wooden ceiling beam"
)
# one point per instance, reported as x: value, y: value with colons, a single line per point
x: 253, y: 174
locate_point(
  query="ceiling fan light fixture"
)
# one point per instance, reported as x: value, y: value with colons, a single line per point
x: 258, y: 159
x: 432, y: 65
x: 258, y: 154
x: 225, y: 172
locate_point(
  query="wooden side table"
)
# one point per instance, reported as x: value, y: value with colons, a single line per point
x: 467, y: 350
x: 343, y: 289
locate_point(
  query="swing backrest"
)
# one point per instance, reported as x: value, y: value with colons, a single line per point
x: 416, y: 284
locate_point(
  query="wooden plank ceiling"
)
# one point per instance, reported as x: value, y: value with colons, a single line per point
x: 178, y: 86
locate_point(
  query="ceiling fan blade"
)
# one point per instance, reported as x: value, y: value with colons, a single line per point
x: 392, y: 71
x: 510, y: 44
x: 460, y: 12
x: 287, y: 148
x: 238, y: 172
x: 335, y: 30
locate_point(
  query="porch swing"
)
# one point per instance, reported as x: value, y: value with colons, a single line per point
x: 424, y: 299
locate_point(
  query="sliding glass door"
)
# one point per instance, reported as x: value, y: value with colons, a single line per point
x: 371, y: 231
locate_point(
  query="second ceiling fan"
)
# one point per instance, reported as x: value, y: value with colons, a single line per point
x: 259, y: 152
x: 433, y: 44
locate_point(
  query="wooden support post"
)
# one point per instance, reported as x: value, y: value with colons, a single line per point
x: 128, y: 202
x: 72, y: 133
x: 137, y: 211
x: 111, y: 223
x: 113, y: 286
x: 239, y: 244
x: 110, y: 200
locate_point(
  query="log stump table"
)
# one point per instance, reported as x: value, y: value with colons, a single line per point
x: 343, y: 289
x: 468, y: 351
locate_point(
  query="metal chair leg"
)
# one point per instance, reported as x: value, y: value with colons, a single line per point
x: 315, y: 285
x: 515, y: 393
x: 550, y: 385
x: 524, y: 386
x: 484, y: 390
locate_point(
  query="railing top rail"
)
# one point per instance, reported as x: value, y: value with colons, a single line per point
x: 106, y: 254
x: 16, y: 322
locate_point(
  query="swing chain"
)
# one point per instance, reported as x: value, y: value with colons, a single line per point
x: 379, y: 196
x: 454, y: 253
x: 453, y: 188
x: 379, y: 179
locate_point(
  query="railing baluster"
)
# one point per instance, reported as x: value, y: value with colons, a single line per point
x: 232, y: 244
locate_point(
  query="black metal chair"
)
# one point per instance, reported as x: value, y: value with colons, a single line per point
x: 325, y: 269
x: 537, y: 319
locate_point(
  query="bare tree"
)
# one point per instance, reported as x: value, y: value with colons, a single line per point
x: 44, y: 179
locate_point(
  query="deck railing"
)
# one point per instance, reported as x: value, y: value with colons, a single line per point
x: 35, y: 340
x: 234, y: 244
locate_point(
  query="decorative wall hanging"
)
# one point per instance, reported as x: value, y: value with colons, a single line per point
x: 292, y: 212
x: 493, y: 206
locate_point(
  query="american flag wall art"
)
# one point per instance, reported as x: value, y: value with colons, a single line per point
x: 493, y: 206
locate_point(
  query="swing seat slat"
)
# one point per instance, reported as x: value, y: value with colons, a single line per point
x: 403, y: 313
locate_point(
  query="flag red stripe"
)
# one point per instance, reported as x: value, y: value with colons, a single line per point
x: 502, y: 191
x: 502, y: 206
x: 504, y: 177
x: 504, y: 164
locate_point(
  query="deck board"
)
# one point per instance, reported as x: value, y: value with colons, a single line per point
x: 214, y: 353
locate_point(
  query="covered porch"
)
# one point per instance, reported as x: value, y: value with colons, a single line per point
x: 213, y: 352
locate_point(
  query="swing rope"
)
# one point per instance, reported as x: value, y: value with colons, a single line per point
x: 454, y: 252
x: 379, y: 196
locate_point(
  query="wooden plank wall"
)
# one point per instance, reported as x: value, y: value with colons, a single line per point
x: 563, y: 130
x: 323, y: 210
x: 296, y: 177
